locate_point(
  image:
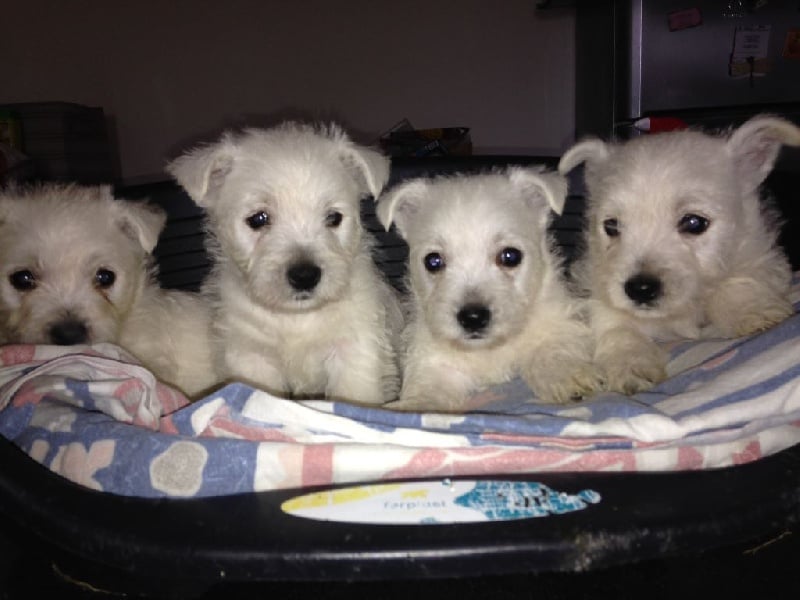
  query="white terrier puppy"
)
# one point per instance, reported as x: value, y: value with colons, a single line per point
x: 487, y: 298
x: 678, y: 244
x: 301, y: 308
x: 77, y: 269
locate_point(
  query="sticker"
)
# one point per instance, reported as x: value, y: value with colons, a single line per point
x: 659, y: 124
x: 684, y: 19
x: 438, y: 502
x: 791, y: 47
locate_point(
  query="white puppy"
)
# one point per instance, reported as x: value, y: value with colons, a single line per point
x: 487, y: 297
x: 77, y: 269
x: 301, y: 308
x: 678, y: 244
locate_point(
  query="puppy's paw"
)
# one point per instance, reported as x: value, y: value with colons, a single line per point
x: 745, y: 306
x: 586, y: 379
x: 763, y: 319
x: 568, y: 383
x: 631, y: 362
x: 423, y: 403
x: 411, y: 404
x: 634, y: 373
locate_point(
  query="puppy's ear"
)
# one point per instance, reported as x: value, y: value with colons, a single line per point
x: 203, y: 168
x: 141, y: 221
x: 589, y: 150
x: 400, y: 204
x: 6, y: 206
x: 755, y: 145
x: 544, y: 191
x: 369, y: 167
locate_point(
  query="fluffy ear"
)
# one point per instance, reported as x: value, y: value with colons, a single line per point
x: 203, y: 168
x: 400, y: 204
x: 370, y: 167
x: 543, y: 190
x: 755, y: 145
x: 6, y: 206
x: 141, y: 221
x: 589, y: 150
x: 9, y: 196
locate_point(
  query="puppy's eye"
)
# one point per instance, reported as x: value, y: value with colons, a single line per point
x: 433, y: 262
x: 509, y: 257
x: 258, y: 220
x: 693, y: 224
x: 104, y: 278
x: 611, y: 227
x: 22, y: 280
x: 333, y: 219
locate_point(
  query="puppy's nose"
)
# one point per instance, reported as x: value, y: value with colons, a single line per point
x: 304, y: 276
x: 474, y: 317
x: 69, y: 332
x: 643, y: 289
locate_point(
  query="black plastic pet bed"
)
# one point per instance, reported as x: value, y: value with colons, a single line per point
x: 123, y: 483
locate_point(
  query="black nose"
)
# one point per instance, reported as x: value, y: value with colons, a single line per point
x: 69, y: 332
x: 643, y: 289
x: 304, y: 276
x: 474, y: 317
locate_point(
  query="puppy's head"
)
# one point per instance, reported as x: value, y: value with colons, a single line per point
x: 73, y: 262
x: 284, y: 207
x: 478, y: 249
x: 670, y: 214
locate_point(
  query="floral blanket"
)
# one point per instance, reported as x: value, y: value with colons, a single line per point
x: 94, y: 416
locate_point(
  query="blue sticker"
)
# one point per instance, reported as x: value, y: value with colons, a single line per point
x: 505, y: 500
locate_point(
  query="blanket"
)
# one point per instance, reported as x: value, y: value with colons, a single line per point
x: 95, y: 416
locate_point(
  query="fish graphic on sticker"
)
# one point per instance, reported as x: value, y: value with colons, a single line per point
x: 438, y: 502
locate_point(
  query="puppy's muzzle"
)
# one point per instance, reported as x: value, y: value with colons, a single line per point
x: 474, y: 318
x: 69, y: 332
x: 304, y: 276
x: 643, y: 289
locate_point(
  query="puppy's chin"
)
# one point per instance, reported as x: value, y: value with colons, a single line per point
x: 303, y: 297
x: 474, y: 343
x: 303, y: 302
x: 642, y: 311
x: 469, y: 341
x: 292, y: 301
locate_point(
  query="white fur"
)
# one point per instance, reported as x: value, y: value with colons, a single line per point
x: 336, y: 339
x: 63, y: 235
x: 729, y: 280
x: 534, y: 329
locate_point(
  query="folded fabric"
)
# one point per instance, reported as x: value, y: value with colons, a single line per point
x: 96, y: 417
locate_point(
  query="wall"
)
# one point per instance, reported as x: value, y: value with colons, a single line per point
x: 172, y: 73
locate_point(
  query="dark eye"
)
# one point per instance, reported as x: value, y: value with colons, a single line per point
x: 258, y: 220
x: 22, y: 280
x: 104, y: 278
x: 692, y: 224
x: 611, y: 227
x: 509, y: 257
x: 433, y: 262
x: 333, y: 219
